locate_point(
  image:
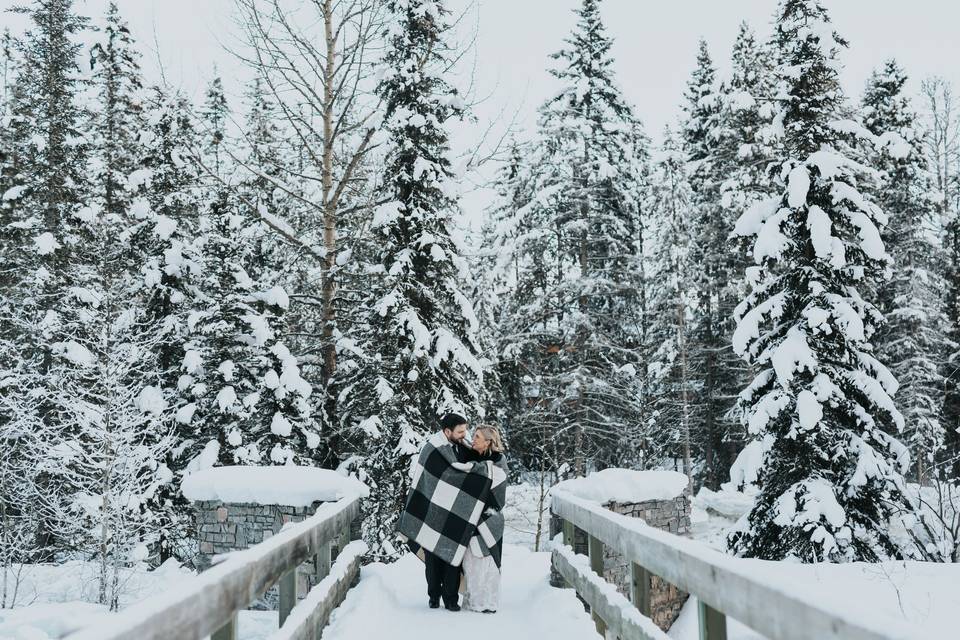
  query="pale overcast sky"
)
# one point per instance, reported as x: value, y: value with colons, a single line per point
x: 655, y: 44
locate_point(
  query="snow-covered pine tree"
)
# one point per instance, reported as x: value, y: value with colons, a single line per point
x: 914, y: 339
x: 214, y: 114
x: 747, y: 108
x: 668, y: 434
x: 832, y: 477
x: 264, y: 149
x: 575, y: 311
x: 20, y: 416
x: 249, y: 401
x: 117, y: 115
x: 495, y: 297
x: 417, y: 333
x: 96, y: 454
x: 49, y: 229
x: 713, y: 365
x: 166, y: 233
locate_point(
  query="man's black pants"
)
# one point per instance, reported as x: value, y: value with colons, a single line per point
x: 443, y: 580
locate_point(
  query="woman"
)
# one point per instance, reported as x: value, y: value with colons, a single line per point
x: 481, y: 563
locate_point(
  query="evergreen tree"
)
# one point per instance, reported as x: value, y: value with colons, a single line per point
x: 747, y: 107
x: 576, y: 309
x: 248, y: 395
x: 418, y: 331
x: 831, y: 478
x: 741, y: 160
x: 214, y: 114
x: 913, y: 339
x: 50, y: 223
x: 166, y: 234
x: 712, y: 362
x: 118, y: 116
x: 669, y: 432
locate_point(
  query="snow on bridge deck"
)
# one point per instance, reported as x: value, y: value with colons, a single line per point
x: 391, y: 602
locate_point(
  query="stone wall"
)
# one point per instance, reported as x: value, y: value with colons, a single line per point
x: 227, y: 527
x: 666, y: 600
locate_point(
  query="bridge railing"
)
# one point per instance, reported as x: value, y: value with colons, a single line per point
x: 723, y: 585
x: 207, y: 605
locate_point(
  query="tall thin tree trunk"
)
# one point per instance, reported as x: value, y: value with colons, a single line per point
x: 329, y: 205
x: 684, y: 399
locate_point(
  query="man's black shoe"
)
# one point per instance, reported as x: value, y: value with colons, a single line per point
x: 434, y: 604
x: 453, y: 607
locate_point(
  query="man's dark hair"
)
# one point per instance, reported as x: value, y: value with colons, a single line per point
x: 451, y: 421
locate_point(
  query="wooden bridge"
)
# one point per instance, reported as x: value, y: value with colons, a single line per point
x: 389, y: 601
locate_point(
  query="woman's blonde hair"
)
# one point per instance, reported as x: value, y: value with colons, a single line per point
x: 492, y: 434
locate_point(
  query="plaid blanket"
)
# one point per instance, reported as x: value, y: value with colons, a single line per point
x: 447, y: 500
x: 489, y: 538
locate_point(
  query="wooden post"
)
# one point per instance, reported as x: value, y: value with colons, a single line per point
x: 227, y: 631
x: 288, y: 594
x: 323, y: 561
x: 713, y: 624
x: 568, y: 536
x: 342, y: 540
x: 595, y: 549
x: 640, y: 588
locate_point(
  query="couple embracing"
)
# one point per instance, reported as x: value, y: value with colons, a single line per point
x: 453, y: 518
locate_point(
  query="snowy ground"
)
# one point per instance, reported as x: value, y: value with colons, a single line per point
x: 53, y: 600
x: 391, y: 602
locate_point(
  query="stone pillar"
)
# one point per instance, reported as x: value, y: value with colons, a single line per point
x: 666, y: 600
x: 227, y: 527
x: 671, y: 515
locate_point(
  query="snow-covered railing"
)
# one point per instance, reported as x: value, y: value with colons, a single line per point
x: 723, y: 585
x: 207, y: 605
x: 620, y: 619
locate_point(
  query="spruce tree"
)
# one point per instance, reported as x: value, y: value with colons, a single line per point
x: 214, y: 114
x: 417, y: 332
x: 576, y: 309
x: 247, y: 393
x: 747, y: 107
x: 913, y: 339
x: 711, y: 358
x: 51, y: 230
x: 832, y: 478
x: 740, y: 159
x: 669, y: 434
x: 117, y: 117
x: 166, y: 233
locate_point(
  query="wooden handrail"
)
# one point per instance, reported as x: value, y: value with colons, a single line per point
x: 723, y: 583
x: 209, y: 602
x: 619, y: 617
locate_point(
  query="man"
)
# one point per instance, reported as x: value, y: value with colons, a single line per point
x: 444, y: 508
x: 443, y: 580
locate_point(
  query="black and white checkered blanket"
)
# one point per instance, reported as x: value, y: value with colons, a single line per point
x: 447, y: 501
x: 489, y: 538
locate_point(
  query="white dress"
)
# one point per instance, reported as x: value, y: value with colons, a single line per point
x: 482, y: 580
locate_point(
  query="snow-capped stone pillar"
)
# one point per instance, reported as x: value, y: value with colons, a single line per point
x: 659, y: 498
x: 238, y: 507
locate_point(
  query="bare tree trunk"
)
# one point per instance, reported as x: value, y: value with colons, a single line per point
x: 684, y: 399
x: 329, y: 205
x: 318, y: 78
x: 540, y: 501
